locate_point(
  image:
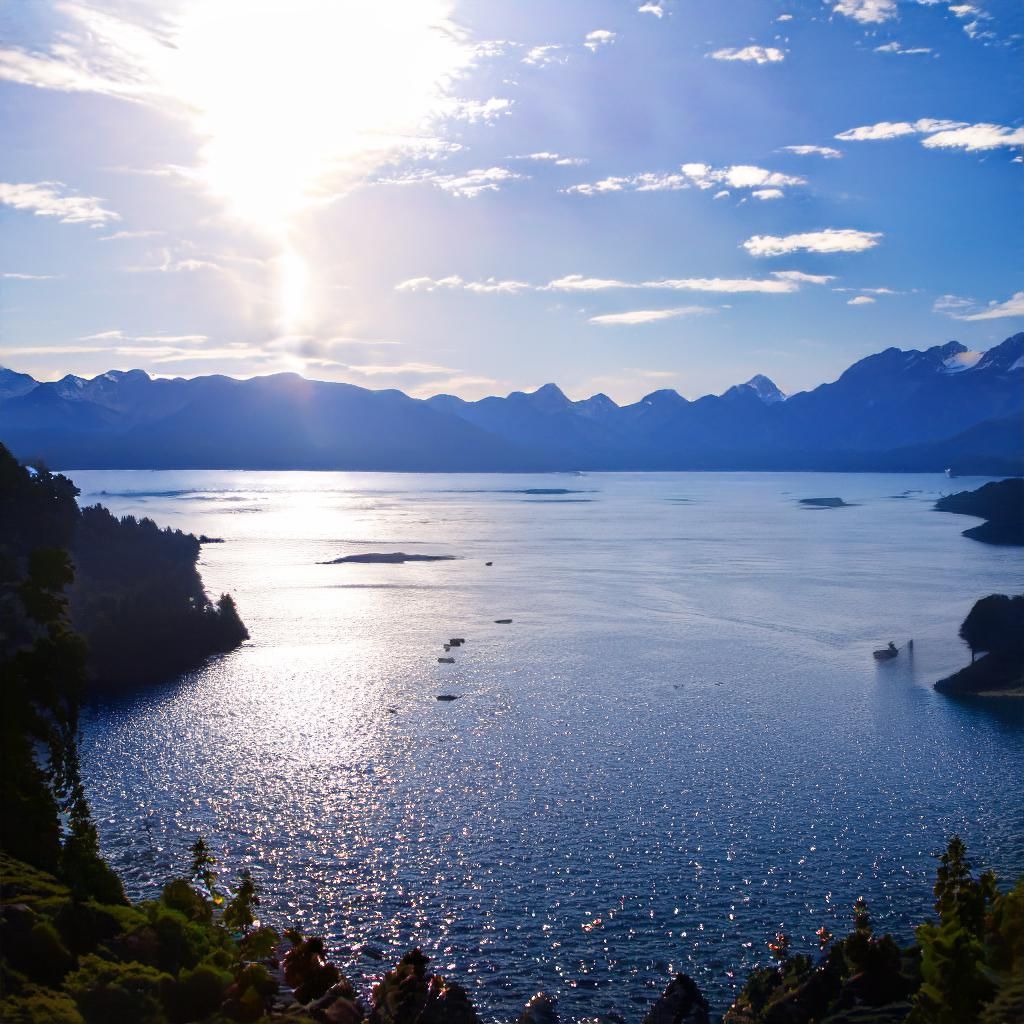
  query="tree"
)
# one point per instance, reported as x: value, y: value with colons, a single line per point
x: 240, y: 913
x: 995, y: 624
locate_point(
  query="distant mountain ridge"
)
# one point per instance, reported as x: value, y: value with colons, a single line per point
x: 906, y: 410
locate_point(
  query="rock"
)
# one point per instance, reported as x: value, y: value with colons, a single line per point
x: 338, y: 1005
x: 408, y: 995
x: 372, y: 952
x: 681, y: 1003
x: 502, y: 622
x: 446, y: 661
x: 541, y: 1009
x: 448, y: 696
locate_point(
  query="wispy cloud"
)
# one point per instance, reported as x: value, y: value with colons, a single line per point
x: 826, y: 151
x: 491, y: 286
x: 938, y: 134
x: 779, y: 282
x: 691, y: 175
x: 125, y: 235
x: 975, y: 137
x: 467, y: 185
x: 898, y: 48
x: 598, y: 38
x: 750, y: 54
x: 655, y: 7
x: 966, y: 309
x: 549, y: 53
x: 54, y: 199
x: 860, y: 300
x: 12, y: 275
x: 480, y: 111
x: 867, y: 12
x: 829, y: 240
x: 553, y: 158
x: 647, y: 316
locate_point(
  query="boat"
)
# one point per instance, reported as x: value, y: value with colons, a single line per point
x: 502, y: 622
x: 456, y: 641
x: 446, y: 661
x: 886, y: 652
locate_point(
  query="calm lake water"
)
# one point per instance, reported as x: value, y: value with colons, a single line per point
x: 680, y: 745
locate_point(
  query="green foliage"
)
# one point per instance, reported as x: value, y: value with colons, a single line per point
x: 35, y: 1005
x: 106, y: 991
x: 197, y: 993
x: 180, y: 895
x: 201, y: 871
x: 240, y: 913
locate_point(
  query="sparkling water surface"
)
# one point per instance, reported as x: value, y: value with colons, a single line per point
x: 680, y: 745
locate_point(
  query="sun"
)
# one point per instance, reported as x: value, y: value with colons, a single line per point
x: 292, y: 103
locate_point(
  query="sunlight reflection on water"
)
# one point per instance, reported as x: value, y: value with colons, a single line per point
x: 681, y: 733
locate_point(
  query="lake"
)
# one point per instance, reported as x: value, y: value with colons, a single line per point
x: 680, y: 744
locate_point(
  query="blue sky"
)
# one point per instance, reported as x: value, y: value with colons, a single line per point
x: 474, y: 197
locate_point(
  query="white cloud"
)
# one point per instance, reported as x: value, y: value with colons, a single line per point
x: 553, y: 158
x: 489, y: 286
x: 647, y: 316
x: 867, y: 12
x: 800, y: 277
x: 648, y: 181
x: 939, y: 134
x: 829, y: 240
x: 652, y: 7
x: 723, y: 194
x: 52, y: 199
x: 467, y: 185
x: 780, y: 282
x: 542, y: 56
x: 895, y: 47
x: 975, y: 137
x: 784, y: 17
x: 750, y: 54
x: 699, y: 175
x: 16, y: 276
x: 118, y: 235
x: 598, y: 38
x: 826, y: 151
x: 480, y: 111
x: 965, y: 309
x: 767, y: 193
x: 860, y: 300
x: 738, y: 176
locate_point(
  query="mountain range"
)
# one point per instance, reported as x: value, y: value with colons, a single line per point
x: 895, y: 410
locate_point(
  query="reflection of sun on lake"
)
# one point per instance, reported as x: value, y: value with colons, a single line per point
x: 682, y: 732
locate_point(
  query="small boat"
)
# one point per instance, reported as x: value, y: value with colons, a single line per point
x: 886, y: 652
x: 488, y: 563
x: 456, y: 641
x: 446, y: 661
x: 449, y: 696
x: 502, y: 622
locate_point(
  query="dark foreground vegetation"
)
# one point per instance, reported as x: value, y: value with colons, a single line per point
x: 132, y: 590
x: 995, y: 626
x: 1000, y: 503
x: 74, y: 950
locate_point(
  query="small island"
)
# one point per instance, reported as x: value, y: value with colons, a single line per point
x: 1000, y: 503
x: 995, y: 626
x: 387, y: 558
x: 824, y: 503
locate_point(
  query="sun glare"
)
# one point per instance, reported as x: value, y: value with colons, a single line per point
x: 293, y: 101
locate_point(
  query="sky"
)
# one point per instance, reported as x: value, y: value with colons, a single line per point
x: 478, y: 196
